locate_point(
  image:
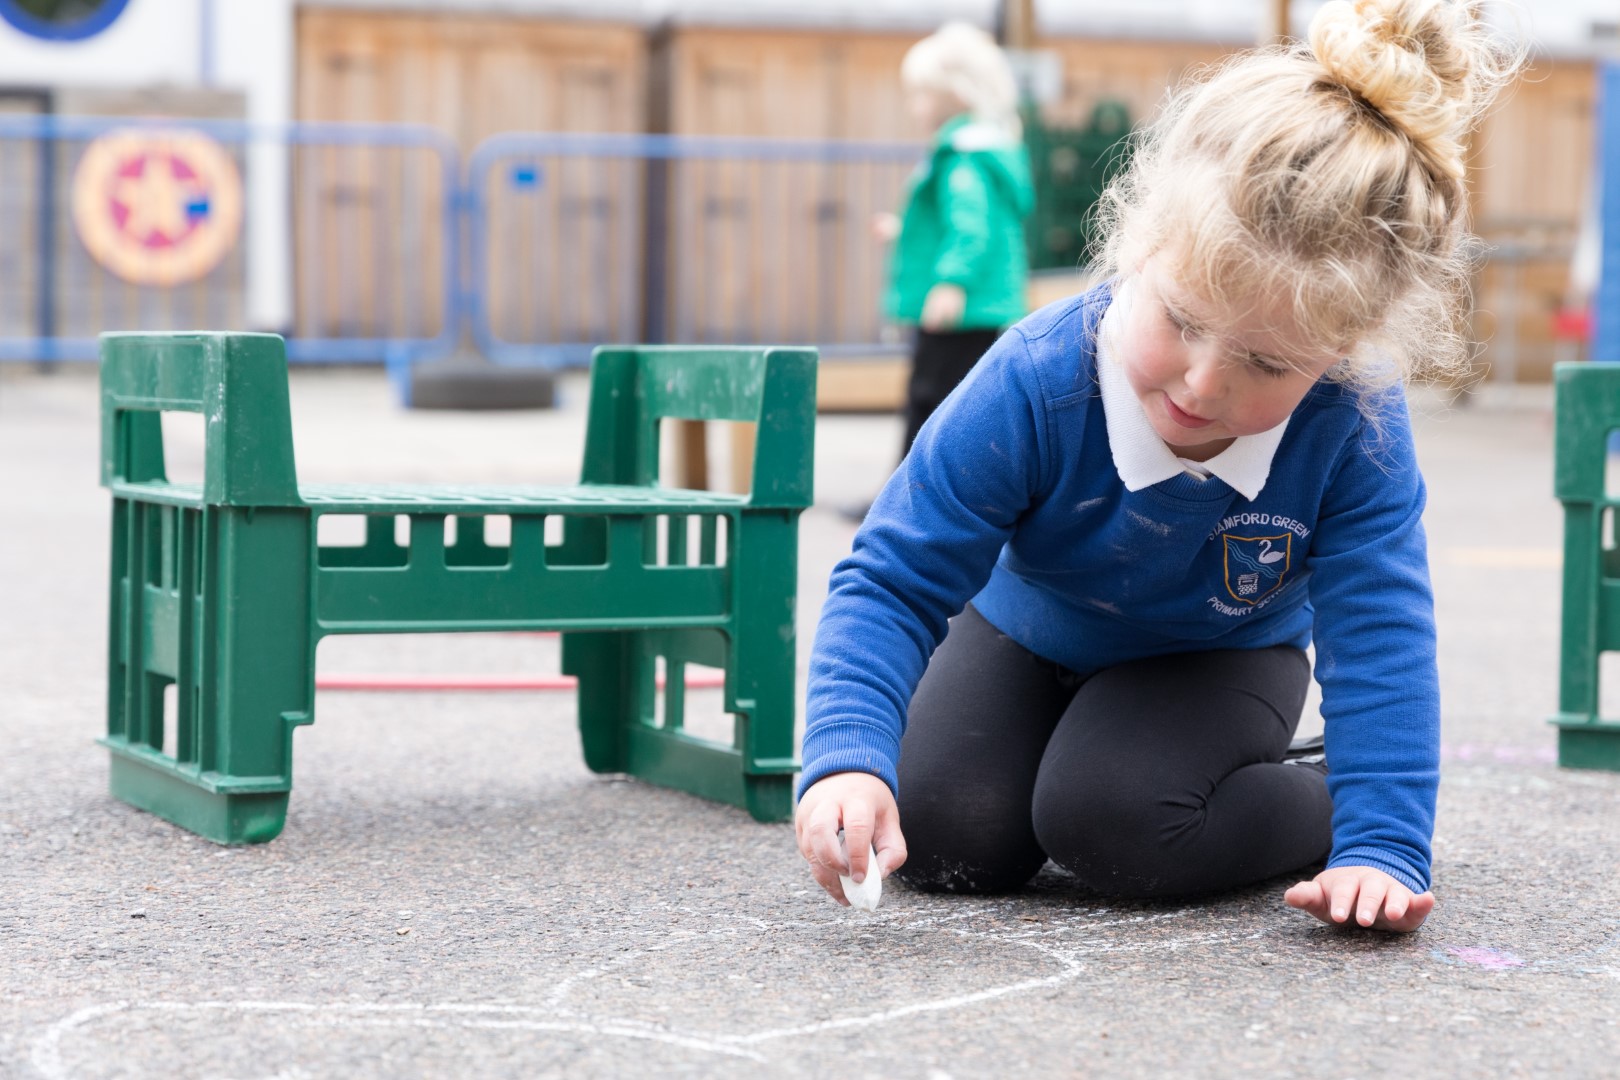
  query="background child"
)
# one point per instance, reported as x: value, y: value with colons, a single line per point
x: 1158, y: 494
x: 959, y: 265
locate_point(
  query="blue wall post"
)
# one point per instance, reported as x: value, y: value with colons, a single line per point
x: 1606, y: 303
x: 205, y: 42
x: 46, y: 317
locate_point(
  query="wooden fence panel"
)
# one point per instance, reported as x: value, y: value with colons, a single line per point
x: 471, y: 76
x: 777, y: 252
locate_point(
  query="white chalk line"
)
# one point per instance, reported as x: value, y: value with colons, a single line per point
x: 47, y: 1053
x: 1069, y: 957
x: 47, y: 1057
x: 560, y: 992
x: 885, y: 1015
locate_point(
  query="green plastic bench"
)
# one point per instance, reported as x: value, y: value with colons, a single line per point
x: 222, y: 589
x: 1587, y: 410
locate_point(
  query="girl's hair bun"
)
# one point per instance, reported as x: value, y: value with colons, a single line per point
x: 1428, y: 67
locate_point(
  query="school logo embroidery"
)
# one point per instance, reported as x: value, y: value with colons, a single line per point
x: 1256, y: 565
x: 157, y: 207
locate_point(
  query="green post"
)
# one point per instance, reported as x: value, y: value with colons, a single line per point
x: 1587, y: 410
x: 211, y: 587
x: 760, y: 685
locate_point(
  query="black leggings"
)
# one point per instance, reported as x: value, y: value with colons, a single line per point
x: 1156, y: 778
x: 938, y: 362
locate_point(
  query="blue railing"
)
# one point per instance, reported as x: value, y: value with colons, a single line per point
x: 394, y: 186
x: 545, y: 246
x: 577, y: 239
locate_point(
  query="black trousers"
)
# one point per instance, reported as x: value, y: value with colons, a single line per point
x: 938, y: 363
x: 1156, y: 778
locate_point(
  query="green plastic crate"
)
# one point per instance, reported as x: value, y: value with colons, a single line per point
x: 222, y: 590
x: 1587, y: 409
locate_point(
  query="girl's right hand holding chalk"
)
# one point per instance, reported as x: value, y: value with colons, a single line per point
x: 863, y: 807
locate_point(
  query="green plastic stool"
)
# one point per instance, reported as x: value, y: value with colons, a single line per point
x: 1587, y: 407
x: 222, y: 590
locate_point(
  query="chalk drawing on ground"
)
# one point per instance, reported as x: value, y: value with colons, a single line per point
x: 1065, y: 942
x: 1079, y: 936
x: 1593, y: 960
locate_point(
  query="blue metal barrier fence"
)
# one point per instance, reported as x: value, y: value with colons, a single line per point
x: 362, y: 218
x: 580, y: 239
x: 384, y: 250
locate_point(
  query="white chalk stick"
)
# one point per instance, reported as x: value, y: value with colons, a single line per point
x: 865, y: 896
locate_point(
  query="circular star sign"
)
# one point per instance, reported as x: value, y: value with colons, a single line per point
x: 157, y: 207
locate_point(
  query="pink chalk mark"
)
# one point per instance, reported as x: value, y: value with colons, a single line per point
x: 1489, y: 959
x: 695, y: 680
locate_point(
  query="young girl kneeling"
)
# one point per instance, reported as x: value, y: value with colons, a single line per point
x: 1093, y: 580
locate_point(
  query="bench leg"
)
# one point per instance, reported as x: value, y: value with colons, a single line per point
x: 770, y: 798
x: 216, y: 603
x: 616, y: 707
x: 612, y: 682
x: 764, y: 660
x: 1585, y: 740
x: 616, y: 685
x: 173, y: 794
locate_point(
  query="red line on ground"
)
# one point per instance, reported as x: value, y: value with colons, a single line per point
x: 694, y: 681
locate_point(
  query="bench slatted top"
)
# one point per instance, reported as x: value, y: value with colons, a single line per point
x: 454, y: 499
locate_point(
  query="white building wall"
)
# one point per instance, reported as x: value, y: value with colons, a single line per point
x: 153, y: 41
x: 161, y: 43
x: 253, y: 51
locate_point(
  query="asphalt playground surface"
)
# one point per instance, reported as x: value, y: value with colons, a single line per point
x: 455, y: 895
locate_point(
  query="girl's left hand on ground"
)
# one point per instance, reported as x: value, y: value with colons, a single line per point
x: 943, y: 307
x: 1370, y: 897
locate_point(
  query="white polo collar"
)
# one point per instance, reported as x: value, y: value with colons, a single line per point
x: 1141, y: 458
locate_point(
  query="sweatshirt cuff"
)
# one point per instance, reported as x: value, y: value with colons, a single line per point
x: 847, y: 747
x: 1379, y: 859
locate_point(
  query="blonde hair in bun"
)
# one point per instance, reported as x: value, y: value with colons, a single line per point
x: 1333, y: 174
x: 964, y: 62
x: 1417, y: 62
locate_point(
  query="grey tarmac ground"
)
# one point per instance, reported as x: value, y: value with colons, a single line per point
x: 456, y: 896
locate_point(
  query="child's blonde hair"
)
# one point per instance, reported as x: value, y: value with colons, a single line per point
x: 966, y: 63
x: 1333, y: 174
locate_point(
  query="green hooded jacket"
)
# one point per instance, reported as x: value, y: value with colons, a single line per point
x: 963, y: 223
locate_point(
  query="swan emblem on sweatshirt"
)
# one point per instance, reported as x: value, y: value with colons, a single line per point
x: 1256, y: 565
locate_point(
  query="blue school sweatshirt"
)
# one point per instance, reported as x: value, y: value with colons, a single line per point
x: 1010, y: 499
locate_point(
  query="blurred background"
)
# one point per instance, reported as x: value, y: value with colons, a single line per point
x: 398, y: 182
